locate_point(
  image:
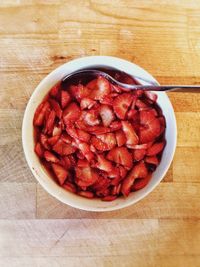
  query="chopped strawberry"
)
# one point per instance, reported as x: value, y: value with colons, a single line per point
x: 153, y: 97
x: 106, y: 114
x: 121, y: 155
x: 57, y: 130
x: 91, y: 117
x: 72, y: 160
x: 85, y: 149
x: 101, y: 185
x: 104, y: 142
x: 86, y: 194
x: 131, y: 136
x: 80, y: 155
x: 121, y: 104
x: 155, y: 149
x: 39, y: 150
x: 83, y: 136
x: 82, y: 163
x: 138, y: 154
x: 114, y: 173
x: 99, y: 88
x: 98, y: 130
x: 87, y: 103
x: 132, y: 114
x: 52, y: 140
x: 71, y: 113
x: 140, y: 104
x: 55, y: 90
x: 63, y: 149
x: 65, y: 98
x: 120, y: 138
x: 79, y: 91
x: 103, y: 164
x: 138, y: 171
x: 140, y: 146
x: 60, y: 172
x: 116, y: 189
x: 50, y: 123
x: 108, y: 198
x: 44, y: 141
x: 122, y: 171
x: 141, y: 183
x: 71, y: 130
x: 66, y: 138
x: 115, y: 125
x: 55, y: 105
x: 80, y: 124
x: 107, y: 100
x: 50, y: 157
x: 40, y: 113
x: 69, y: 187
x: 152, y: 160
x: 85, y: 176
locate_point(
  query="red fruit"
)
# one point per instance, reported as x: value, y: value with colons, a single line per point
x: 44, y: 141
x: 114, y: 173
x: 106, y: 114
x: 71, y: 130
x: 69, y: 187
x: 131, y: 136
x: 138, y: 154
x: 71, y: 113
x: 141, y: 183
x: 50, y: 157
x: 81, y: 125
x: 122, y: 171
x: 140, y: 104
x: 107, y: 100
x: 91, y: 117
x: 85, y: 176
x: 115, y: 125
x: 57, y: 130
x: 131, y: 114
x: 55, y: 90
x: 80, y: 155
x: 120, y: 138
x: 99, y: 88
x: 53, y: 140
x: 72, y: 160
x: 79, y: 91
x: 152, y: 160
x: 55, y: 105
x: 40, y: 113
x: 108, y: 198
x: 66, y: 138
x: 121, y: 155
x: 151, y: 126
x: 85, y: 149
x: 63, y: 149
x: 104, y: 142
x: 60, y: 173
x: 101, y: 185
x: 121, y: 104
x: 87, y: 103
x: 50, y: 123
x: 86, y: 194
x: 138, y: 171
x: 39, y: 150
x: 140, y: 146
x: 83, y: 163
x: 98, y: 130
x: 65, y: 98
x: 103, y: 164
x: 153, y: 97
x: 65, y: 162
x: 83, y: 136
x: 155, y: 148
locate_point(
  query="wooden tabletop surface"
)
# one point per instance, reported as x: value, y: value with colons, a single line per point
x: 36, y: 36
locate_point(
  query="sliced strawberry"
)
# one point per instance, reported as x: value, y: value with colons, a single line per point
x: 107, y: 100
x: 101, y: 185
x: 140, y: 104
x: 138, y: 171
x: 54, y: 92
x: 85, y: 149
x: 121, y: 104
x: 152, y: 160
x: 69, y: 187
x: 116, y: 189
x: 108, y: 198
x: 150, y: 95
x: 65, y: 99
x: 99, y: 88
x: 85, y: 176
x: 141, y: 183
x: 122, y: 171
x: 71, y: 130
x: 71, y: 113
x: 106, y: 114
x: 83, y: 136
x: 86, y: 194
x: 80, y: 124
x: 50, y: 123
x: 120, y: 138
x: 53, y: 140
x: 80, y: 155
x: 39, y: 150
x: 98, y: 130
x: 91, y: 117
x: 114, y: 173
x: 50, y: 157
x: 40, y: 113
x: 79, y: 91
x: 87, y: 103
x: 131, y: 114
x: 138, y: 154
x: 72, y: 159
x: 83, y: 163
x: 115, y: 125
x: 44, y: 141
x: 55, y: 105
x: 66, y: 138
x: 121, y: 155
x: 60, y: 173
x: 131, y: 136
x: 140, y: 146
x: 103, y: 164
x: 57, y: 130
x: 63, y: 149
x: 104, y: 142
x: 155, y: 148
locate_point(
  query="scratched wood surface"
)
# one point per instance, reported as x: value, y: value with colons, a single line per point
x: 163, y: 37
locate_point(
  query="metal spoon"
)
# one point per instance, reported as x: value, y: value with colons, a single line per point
x: 152, y: 86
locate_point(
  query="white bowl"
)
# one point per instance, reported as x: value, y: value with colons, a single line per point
x: 39, y: 171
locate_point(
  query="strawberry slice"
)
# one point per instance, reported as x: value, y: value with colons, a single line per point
x: 54, y: 92
x: 120, y: 155
x: 82, y: 163
x: 138, y: 154
x: 50, y: 123
x: 151, y: 127
x: 72, y: 159
x: 71, y: 113
x: 107, y: 100
x: 155, y: 148
x: 132, y: 113
x: 114, y: 173
x: 91, y: 117
x: 122, y: 171
x: 150, y: 95
x: 71, y: 130
x: 152, y: 160
x: 39, y: 150
x: 63, y: 149
x: 53, y: 140
x: 140, y: 146
x: 40, y: 113
x: 131, y: 136
x: 99, y: 88
x: 66, y: 138
x: 141, y: 105
x: 115, y: 125
x: 98, y: 129
x: 138, y: 171
x: 116, y: 189
x: 60, y: 173
x: 103, y: 164
x: 50, y: 157
x: 79, y: 91
x: 85, y: 176
x: 104, y: 142
x: 83, y: 136
x: 86, y: 194
x: 80, y: 155
x: 69, y: 187
x: 141, y: 183
x: 106, y: 114
x: 87, y: 103
x: 120, y: 138
x: 108, y: 198
x: 121, y: 104
x: 44, y: 141
x: 85, y: 149
x: 101, y: 185
x: 55, y: 105
x: 65, y: 99
x: 57, y: 130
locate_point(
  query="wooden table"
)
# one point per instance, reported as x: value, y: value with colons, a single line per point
x: 38, y: 36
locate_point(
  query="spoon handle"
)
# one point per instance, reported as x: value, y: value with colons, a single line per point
x: 173, y: 88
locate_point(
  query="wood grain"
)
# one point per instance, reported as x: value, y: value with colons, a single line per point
x: 36, y: 37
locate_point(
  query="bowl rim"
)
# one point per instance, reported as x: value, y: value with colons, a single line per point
x: 47, y: 185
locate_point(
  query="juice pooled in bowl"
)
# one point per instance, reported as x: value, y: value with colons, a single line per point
x: 97, y: 139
